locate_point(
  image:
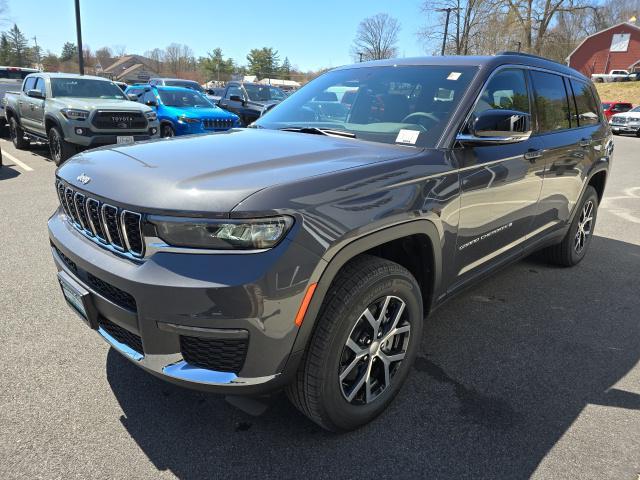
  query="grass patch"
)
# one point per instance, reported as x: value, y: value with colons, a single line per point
x: 619, y: 91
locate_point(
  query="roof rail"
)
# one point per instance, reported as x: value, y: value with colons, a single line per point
x: 530, y: 55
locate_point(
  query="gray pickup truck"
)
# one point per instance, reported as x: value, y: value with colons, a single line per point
x: 72, y: 112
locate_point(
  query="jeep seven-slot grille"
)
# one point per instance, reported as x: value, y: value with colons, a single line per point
x: 222, y: 355
x: 217, y: 123
x: 119, y: 120
x: 118, y: 228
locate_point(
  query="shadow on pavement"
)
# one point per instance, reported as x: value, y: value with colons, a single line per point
x: 8, y: 170
x: 505, y: 370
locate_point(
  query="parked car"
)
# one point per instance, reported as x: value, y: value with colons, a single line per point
x: 11, y: 78
x: 72, y: 112
x: 183, y: 111
x: 612, y: 76
x: 121, y: 85
x: 611, y: 108
x: 177, y: 82
x: 250, y: 100
x: 634, y: 76
x: 628, y: 122
x: 305, y: 252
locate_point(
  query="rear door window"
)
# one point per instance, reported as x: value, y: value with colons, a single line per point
x: 552, y: 105
x: 588, y: 113
x: 12, y: 74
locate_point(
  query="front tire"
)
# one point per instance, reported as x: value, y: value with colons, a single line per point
x: 366, y: 338
x: 17, y: 135
x: 573, y: 247
x: 166, y: 131
x: 60, y: 149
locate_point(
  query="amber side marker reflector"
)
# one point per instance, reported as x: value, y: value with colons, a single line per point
x: 305, y: 304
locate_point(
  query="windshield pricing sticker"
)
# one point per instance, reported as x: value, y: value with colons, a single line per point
x: 408, y: 137
x: 454, y: 76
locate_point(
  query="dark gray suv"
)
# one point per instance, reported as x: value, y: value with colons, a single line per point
x: 304, y: 253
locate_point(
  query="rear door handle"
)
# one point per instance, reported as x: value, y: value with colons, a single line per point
x: 531, y: 155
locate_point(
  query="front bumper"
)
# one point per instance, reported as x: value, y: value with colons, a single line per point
x: 174, y: 296
x: 624, y: 128
x: 91, y: 137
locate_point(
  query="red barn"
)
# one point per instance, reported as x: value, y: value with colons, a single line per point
x: 614, y: 48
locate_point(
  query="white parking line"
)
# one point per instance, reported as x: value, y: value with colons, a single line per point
x: 22, y: 165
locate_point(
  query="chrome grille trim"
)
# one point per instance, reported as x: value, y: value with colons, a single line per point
x: 115, y: 229
x: 123, y: 229
x: 111, y: 235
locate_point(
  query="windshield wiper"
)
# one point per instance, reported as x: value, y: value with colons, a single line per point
x: 320, y: 131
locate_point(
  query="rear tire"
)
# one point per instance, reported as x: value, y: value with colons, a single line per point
x: 352, y: 370
x: 573, y: 247
x: 17, y: 135
x: 60, y: 149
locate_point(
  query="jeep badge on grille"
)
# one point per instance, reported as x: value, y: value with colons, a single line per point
x: 83, y: 178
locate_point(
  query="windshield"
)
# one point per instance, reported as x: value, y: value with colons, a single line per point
x: 85, y: 88
x: 261, y: 93
x: 185, y: 84
x: 637, y: 109
x: 407, y: 104
x: 183, y: 99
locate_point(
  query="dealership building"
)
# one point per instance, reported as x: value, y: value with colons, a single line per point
x: 614, y: 48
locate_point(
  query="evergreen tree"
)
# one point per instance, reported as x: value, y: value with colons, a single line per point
x: 263, y: 62
x: 285, y: 69
x: 5, y: 52
x: 69, y: 52
x: 18, y: 48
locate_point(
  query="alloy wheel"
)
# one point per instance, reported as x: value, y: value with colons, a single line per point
x: 585, y: 225
x: 374, y: 350
x: 56, y: 147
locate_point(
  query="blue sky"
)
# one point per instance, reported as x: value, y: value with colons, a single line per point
x: 312, y: 34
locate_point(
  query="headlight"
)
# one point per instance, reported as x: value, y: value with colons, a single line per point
x: 73, y: 114
x: 188, y: 120
x: 151, y: 115
x: 223, y: 234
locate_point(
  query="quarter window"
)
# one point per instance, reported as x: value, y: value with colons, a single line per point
x: 552, y: 105
x: 506, y: 90
x: 588, y: 113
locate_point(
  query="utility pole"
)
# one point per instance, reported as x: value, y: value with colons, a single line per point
x: 35, y: 41
x: 79, y: 32
x: 519, y: 46
x: 360, y: 55
x: 446, y: 25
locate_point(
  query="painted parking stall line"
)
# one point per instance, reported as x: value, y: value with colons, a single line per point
x: 17, y: 162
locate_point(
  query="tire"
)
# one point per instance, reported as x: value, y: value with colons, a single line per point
x: 567, y: 253
x: 167, y: 131
x: 17, y: 135
x: 60, y: 149
x: 364, y: 284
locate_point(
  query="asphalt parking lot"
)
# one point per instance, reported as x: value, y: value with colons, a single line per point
x: 533, y: 373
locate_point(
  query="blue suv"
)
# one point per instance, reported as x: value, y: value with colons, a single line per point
x: 183, y: 111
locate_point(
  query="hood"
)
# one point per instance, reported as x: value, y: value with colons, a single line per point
x: 91, y: 104
x: 213, y: 173
x: 628, y: 114
x: 263, y: 103
x: 198, y: 112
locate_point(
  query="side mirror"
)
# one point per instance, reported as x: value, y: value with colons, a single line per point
x: 35, y: 94
x: 151, y: 103
x: 133, y: 97
x: 236, y: 98
x: 493, y: 127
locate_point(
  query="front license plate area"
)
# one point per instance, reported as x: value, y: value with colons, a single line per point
x: 123, y: 140
x: 78, y: 299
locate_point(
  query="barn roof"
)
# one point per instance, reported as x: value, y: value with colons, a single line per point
x: 627, y: 24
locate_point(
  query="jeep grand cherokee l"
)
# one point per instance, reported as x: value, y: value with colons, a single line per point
x: 304, y: 253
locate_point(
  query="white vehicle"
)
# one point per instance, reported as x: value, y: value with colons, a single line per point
x: 11, y: 79
x: 627, y: 122
x: 612, y: 76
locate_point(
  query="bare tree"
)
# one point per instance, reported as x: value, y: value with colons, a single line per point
x: 157, y: 57
x: 376, y: 38
x: 121, y: 50
x: 179, y: 58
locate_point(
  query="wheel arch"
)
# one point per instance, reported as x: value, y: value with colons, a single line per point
x: 51, y: 121
x: 416, y: 237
